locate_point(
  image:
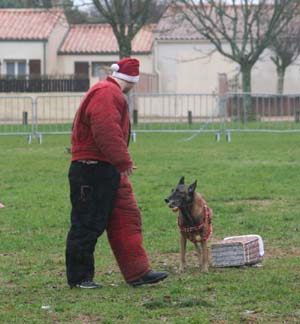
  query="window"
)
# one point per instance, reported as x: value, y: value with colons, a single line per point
x: 96, y: 69
x: 10, y: 68
x: 21, y: 68
x: 15, y: 68
x: 82, y: 69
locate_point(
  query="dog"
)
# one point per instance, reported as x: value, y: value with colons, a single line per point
x: 194, y: 221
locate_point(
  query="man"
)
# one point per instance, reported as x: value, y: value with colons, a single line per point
x: 100, y: 192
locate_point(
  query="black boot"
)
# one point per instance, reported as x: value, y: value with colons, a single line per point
x: 149, y: 278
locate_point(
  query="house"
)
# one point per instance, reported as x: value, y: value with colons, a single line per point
x: 90, y: 49
x: 29, y: 39
x: 186, y: 62
x: 41, y: 52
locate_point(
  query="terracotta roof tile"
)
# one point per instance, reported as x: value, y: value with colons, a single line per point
x: 28, y: 24
x: 99, y: 38
x: 172, y: 26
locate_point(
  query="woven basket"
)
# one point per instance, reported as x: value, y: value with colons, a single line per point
x: 237, y: 251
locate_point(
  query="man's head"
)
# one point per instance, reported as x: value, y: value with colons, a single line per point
x: 127, y: 72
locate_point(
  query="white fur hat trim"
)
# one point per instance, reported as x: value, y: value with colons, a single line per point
x: 126, y: 77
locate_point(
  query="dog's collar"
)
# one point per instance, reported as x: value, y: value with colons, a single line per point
x: 190, y: 229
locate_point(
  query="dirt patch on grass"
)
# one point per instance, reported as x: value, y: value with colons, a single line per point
x: 278, y: 253
x: 263, y: 202
x: 84, y: 319
x: 8, y: 284
x: 170, y: 261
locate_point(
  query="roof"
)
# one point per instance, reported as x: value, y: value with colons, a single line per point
x: 28, y: 24
x: 100, y: 39
x: 172, y: 26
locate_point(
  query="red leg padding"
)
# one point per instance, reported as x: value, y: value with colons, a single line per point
x: 124, y: 232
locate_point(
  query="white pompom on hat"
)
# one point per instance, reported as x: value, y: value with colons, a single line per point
x: 126, y: 69
x: 115, y: 67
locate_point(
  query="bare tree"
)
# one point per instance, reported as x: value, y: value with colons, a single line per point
x: 126, y: 18
x: 285, y: 49
x: 242, y: 30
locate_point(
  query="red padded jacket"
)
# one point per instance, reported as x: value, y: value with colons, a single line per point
x: 101, y: 126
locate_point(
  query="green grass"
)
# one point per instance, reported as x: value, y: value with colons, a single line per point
x: 252, y: 184
x: 167, y: 125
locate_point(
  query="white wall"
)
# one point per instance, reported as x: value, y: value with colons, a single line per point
x: 187, y: 67
x: 191, y: 67
x: 264, y: 76
x: 26, y: 50
x: 54, y: 42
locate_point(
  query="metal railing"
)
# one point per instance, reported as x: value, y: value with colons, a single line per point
x: 44, y: 83
x: 262, y: 113
x: 16, y: 115
x: 169, y: 112
x: 55, y: 114
x: 159, y: 112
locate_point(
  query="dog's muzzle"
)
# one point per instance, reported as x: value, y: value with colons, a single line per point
x: 171, y: 205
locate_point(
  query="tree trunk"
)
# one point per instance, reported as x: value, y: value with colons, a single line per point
x: 124, y: 47
x: 280, y: 79
x: 247, y: 114
x: 246, y: 75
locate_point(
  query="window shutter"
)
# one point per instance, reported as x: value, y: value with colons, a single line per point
x: 35, y: 67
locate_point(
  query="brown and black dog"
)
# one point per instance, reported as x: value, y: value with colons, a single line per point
x: 194, y: 220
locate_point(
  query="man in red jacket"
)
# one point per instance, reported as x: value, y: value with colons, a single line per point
x: 101, y: 194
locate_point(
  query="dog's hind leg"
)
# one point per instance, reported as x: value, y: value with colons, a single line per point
x: 182, y: 253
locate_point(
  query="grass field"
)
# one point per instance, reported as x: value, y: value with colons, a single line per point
x: 252, y: 184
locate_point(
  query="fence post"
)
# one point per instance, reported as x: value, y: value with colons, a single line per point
x: 134, y: 137
x: 228, y: 137
x: 297, y: 115
x: 135, y: 116
x: 25, y: 118
x: 190, y: 117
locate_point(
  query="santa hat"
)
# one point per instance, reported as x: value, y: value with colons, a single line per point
x: 127, y: 69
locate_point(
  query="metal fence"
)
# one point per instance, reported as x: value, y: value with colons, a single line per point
x: 16, y: 115
x: 159, y: 112
x: 167, y: 112
x: 55, y: 114
x: 261, y: 113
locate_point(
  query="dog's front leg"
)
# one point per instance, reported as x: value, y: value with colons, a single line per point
x: 182, y: 253
x: 204, y: 246
x: 199, y: 254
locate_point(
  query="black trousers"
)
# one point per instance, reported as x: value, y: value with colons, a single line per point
x: 93, y: 188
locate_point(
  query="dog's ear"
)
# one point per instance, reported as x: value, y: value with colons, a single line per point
x: 181, y: 181
x: 192, y: 187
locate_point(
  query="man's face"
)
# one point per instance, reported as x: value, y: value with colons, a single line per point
x: 128, y: 86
